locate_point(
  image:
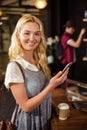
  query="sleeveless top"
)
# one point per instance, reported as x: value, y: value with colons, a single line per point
x: 39, y: 118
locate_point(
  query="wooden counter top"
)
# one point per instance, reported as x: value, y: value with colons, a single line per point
x: 77, y: 119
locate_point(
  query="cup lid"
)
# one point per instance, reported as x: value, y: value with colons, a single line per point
x: 63, y: 106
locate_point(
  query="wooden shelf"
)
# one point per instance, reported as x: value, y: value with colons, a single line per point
x: 84, y: 19
x: 84, y: 39
x: 3, y: 52
x: 84, y: 58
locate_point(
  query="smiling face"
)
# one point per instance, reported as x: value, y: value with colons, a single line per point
x: 30, y: 36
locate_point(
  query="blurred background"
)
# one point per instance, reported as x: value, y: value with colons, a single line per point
x: 53, y: 14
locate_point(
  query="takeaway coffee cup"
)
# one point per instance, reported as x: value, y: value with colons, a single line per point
x: 64, y: 110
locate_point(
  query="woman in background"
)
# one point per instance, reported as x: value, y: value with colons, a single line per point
x: 32, y: 94
x: 69, y: 45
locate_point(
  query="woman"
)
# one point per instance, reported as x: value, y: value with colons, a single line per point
x: 32, y: 94
x: 69, y: 45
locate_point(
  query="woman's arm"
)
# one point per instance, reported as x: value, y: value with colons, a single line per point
x: 77, y: 43
x: 27, y: 105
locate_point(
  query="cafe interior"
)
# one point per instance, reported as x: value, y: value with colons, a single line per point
x: 53, y: 14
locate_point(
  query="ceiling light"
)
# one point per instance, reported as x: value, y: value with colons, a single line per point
x: 40, y: 4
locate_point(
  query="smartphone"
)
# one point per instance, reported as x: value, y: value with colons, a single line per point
x: 68, y: 65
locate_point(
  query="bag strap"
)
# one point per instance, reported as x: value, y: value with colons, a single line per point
x: 15, y: 114
x: 2, y: 93
x: 20, y: 69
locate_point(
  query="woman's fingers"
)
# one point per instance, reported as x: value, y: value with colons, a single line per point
x: 59, y: 78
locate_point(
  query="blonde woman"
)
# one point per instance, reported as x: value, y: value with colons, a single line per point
x: 32, y: 94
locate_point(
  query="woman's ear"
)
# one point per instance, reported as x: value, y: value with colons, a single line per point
x: 17, y: 34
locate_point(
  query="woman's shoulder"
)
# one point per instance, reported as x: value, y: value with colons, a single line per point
x: 12, y: 67
x: 12, y: 64
x: 13, y: 74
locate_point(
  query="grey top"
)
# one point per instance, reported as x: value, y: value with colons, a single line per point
x: 39, y: 118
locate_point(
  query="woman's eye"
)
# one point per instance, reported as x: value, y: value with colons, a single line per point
x: 26, y: 33
x: 37, y: 34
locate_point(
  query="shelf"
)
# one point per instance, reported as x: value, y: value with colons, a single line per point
x: 84, y: 19
x: 3, y: 52
x: 84, y: 58
x: 84, y: 39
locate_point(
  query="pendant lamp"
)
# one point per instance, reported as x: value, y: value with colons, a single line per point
x: 40, y: 4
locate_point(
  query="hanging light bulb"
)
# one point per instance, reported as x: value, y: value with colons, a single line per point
x: 40, y: 4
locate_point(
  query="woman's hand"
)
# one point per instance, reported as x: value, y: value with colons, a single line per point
x: 58, y: 79
x: 83, y: 30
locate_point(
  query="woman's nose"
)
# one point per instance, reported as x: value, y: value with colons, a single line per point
x: 31, y: 36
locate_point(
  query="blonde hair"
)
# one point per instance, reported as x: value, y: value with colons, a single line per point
x: 16, y: 49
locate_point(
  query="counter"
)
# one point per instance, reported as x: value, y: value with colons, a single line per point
x: 77, y: 119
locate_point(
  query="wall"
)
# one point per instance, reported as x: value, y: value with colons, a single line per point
x: 70, y: 9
